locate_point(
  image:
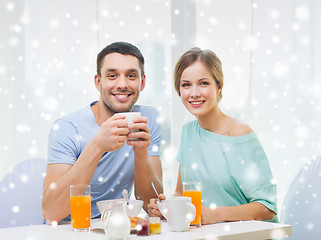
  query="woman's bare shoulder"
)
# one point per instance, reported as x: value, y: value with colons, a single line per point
x: 238, y: 128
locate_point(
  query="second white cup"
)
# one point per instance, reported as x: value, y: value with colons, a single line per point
x: 179, y: 212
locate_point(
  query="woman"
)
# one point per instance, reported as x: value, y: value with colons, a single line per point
x: 218, y: 150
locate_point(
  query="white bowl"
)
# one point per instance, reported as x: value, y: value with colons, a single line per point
x: 132, y: 209
x: 106, y: 204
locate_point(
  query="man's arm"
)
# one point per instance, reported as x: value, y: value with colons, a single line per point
x: 147, y: 168
x: 59, y: 177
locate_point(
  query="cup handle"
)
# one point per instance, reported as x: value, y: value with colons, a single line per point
x: 104, y: 216
x: 162, y: 206
x: 192, y: 211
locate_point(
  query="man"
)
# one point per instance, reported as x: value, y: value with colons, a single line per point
x: 91, y: 146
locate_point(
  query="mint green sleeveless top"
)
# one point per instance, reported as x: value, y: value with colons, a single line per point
x: 233, y: 170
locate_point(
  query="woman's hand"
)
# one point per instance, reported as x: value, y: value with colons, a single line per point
x: 209, y: 215
x: 152, y: 208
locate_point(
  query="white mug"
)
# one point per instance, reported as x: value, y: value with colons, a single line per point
x: 130, y: 117
x: 179, y: 212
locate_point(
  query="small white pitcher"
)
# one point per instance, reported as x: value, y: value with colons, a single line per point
x: 179, y: 212
x: 116, y: 222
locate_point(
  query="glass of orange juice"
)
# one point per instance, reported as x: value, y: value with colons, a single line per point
x: 80, y: 207
x: 194, y: 191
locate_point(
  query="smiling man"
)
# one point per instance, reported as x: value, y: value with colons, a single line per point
x: 91, y: 146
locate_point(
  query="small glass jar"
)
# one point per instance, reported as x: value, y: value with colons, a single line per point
x: 142, y: 227
x: 154, y: 225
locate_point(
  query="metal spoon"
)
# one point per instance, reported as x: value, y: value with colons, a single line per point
x: 156, y: 191
x: 125, y: 195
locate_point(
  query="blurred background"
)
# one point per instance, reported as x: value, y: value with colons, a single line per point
x: 270, y: 51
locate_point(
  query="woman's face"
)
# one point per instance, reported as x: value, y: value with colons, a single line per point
x: 198, y: 89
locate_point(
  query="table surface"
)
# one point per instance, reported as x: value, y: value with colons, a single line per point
x: 246, y: 230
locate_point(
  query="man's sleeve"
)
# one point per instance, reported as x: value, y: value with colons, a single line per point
x: 64, y: 144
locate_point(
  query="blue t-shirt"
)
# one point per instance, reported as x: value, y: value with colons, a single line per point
x: 115, y: 171
x: 233, y: 170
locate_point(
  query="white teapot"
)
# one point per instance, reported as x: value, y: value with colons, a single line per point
x: 179, y: 212
x: 116, y: 222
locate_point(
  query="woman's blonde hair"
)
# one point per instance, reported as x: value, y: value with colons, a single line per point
x: 210, y: 61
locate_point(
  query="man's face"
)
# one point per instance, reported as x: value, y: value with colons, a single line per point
x: 120, y: 82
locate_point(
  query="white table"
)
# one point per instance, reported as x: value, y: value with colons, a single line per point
x: 245, y: 230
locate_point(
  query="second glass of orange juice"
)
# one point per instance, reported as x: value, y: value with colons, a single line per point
x: 80, y: 207
x: 194, y: 191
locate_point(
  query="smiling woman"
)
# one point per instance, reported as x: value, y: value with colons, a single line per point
x: 228, y: 154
